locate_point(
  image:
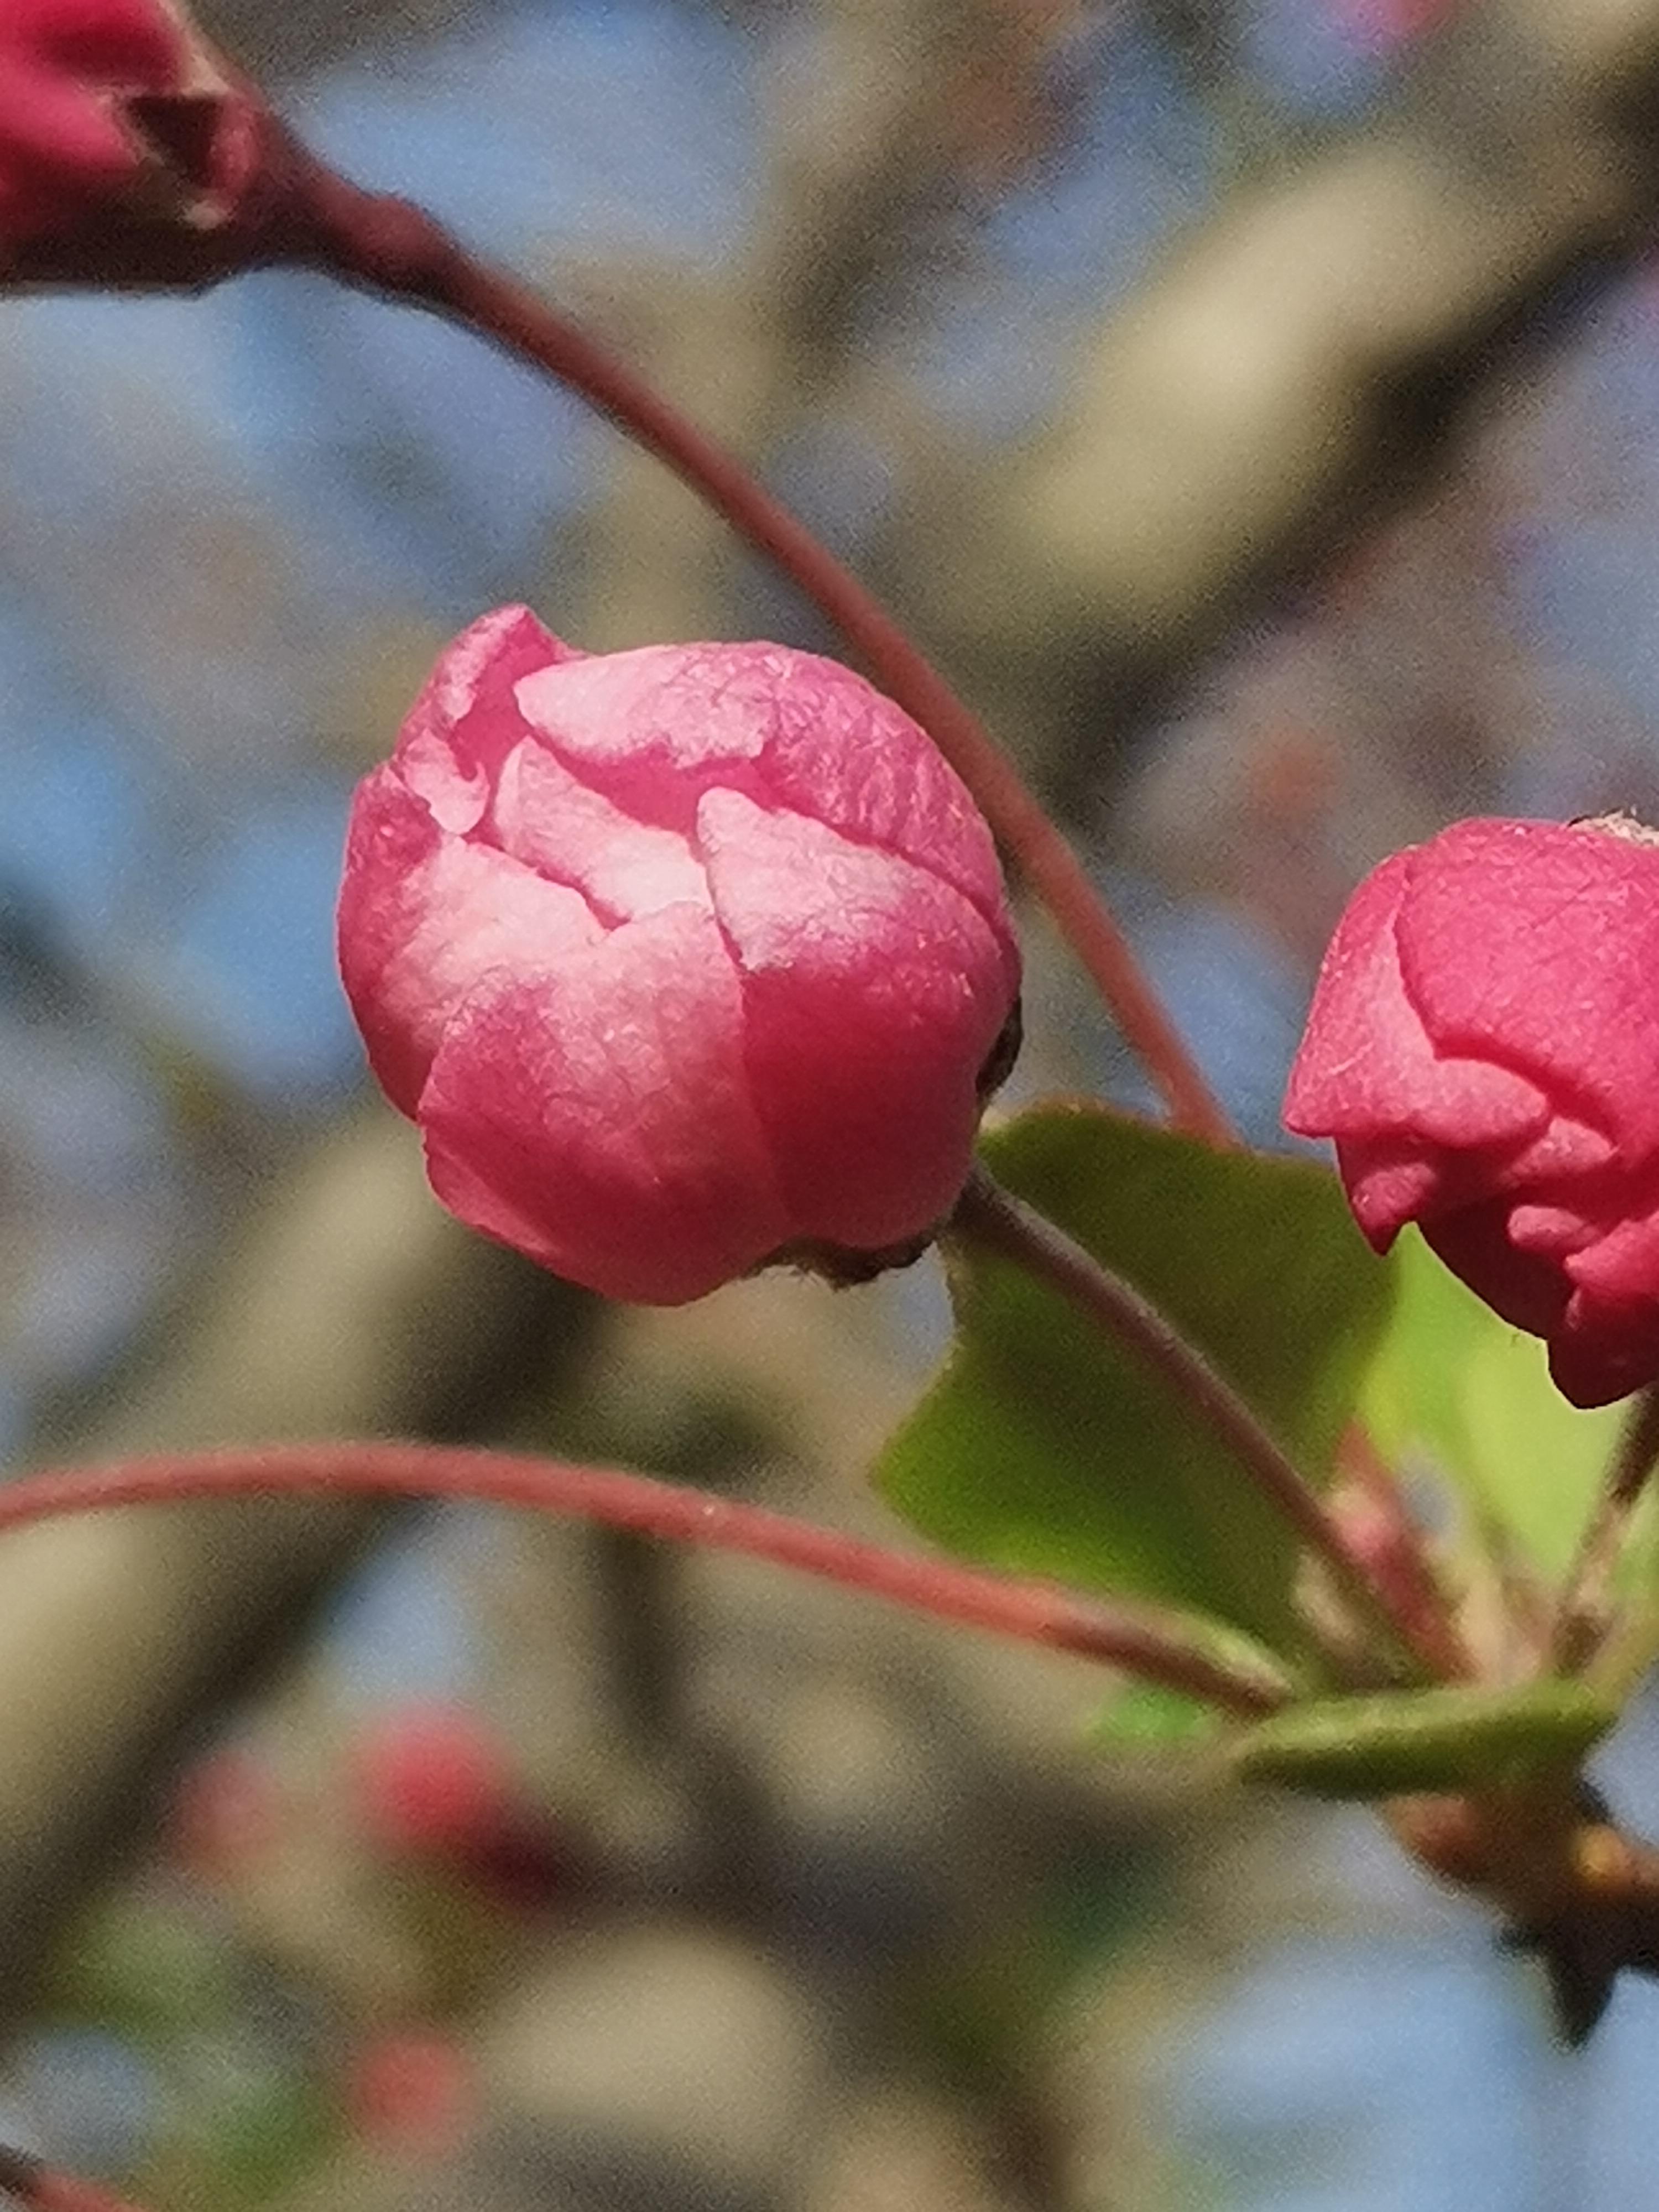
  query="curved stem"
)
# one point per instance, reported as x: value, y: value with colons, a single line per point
x: 1158, y: 1644
x: 391, y: 245
x: 1584, y: 1615
x: 1379, y: 1527
x: 995, y: 1218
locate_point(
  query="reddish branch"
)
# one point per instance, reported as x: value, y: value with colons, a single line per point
x: 1584, y: 1616
x: 995, y: 1218
x: 391, y: 245
x: 1158, y: 1645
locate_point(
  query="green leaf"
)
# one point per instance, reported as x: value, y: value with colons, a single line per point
x: 1452, y: 1383
x: 1046, y: 1448
x: 1449, y: 1739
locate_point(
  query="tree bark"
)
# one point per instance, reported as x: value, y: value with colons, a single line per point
x: 349, y: 1306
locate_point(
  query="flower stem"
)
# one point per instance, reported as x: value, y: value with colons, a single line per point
x: 1584, y: 1615
x: 1378, y: 1525
x: 392, y: 246
x: 993, y: 1218
x: 1155, y: 1642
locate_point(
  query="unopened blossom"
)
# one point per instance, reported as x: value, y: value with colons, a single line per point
x: 126, y: 143
x: 1484, y: 1048
x: 432, y: 1784
x: 684, y: 959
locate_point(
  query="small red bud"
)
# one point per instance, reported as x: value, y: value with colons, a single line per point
x: 131, y: 152
x: 411, y: 2093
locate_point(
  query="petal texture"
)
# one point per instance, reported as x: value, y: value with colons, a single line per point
x: 682, y: 958
x: 597, y: 1116
x: 872, y: 992
x: 424, y: 918
x: 1484, y: 1046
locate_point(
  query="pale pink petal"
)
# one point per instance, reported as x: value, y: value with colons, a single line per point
x: 423, y: 916
x: 873, y: 993
x: 843, y: 753
x: 554, y: 824
x: 464, y: 722
x: 653, y: 728
x: 1550, y: 1231
x: 1566, y: 1150
x: 1538, y: 945
x: 656, y: 728
x: 597, y: 1116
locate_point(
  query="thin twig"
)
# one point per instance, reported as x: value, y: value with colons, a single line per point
x: 1584, y: 1615
x: 1153, y: 1641
x: 1379, y: 1527
x: 391, y: 246
x: 994, y: 1217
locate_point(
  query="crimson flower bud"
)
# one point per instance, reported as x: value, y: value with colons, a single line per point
x: 1484, y: 1048
x: 128, y: 148
x: 684, y: 959
x: 432, y: 1784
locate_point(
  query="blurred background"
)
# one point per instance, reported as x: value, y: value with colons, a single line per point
x: 1253, y: 403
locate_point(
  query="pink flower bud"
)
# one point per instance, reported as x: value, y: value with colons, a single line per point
x: 427, y: 1779
x: 120, y: 128
x: 412, y: 2093
x: 433, y: 1784
x: 1484, y: 1046
x: 684, y: 959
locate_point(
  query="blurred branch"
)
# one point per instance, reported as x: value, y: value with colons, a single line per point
x: 350, y: 1304
x: 1299, y: 365
x: 289, y: 38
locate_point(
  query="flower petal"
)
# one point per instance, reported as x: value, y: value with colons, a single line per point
x: 873, y: 993
x: 1368, y: 1067
x: 657, y: 728
x: 1538, y: 945
x: 1521, y: 1288
x: 546, y: 818
x: 465, y: 721
x: 597, y: 1116
x: 424, y: 917
x: 1387, y: 1184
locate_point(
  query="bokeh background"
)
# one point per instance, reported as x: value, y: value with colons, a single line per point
x: 1254, y: 404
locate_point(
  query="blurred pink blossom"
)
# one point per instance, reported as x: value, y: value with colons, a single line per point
x: 433, y: 1784
x: 1386, y: 23
x: 227, y: 1815
x: 411, y: 2093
